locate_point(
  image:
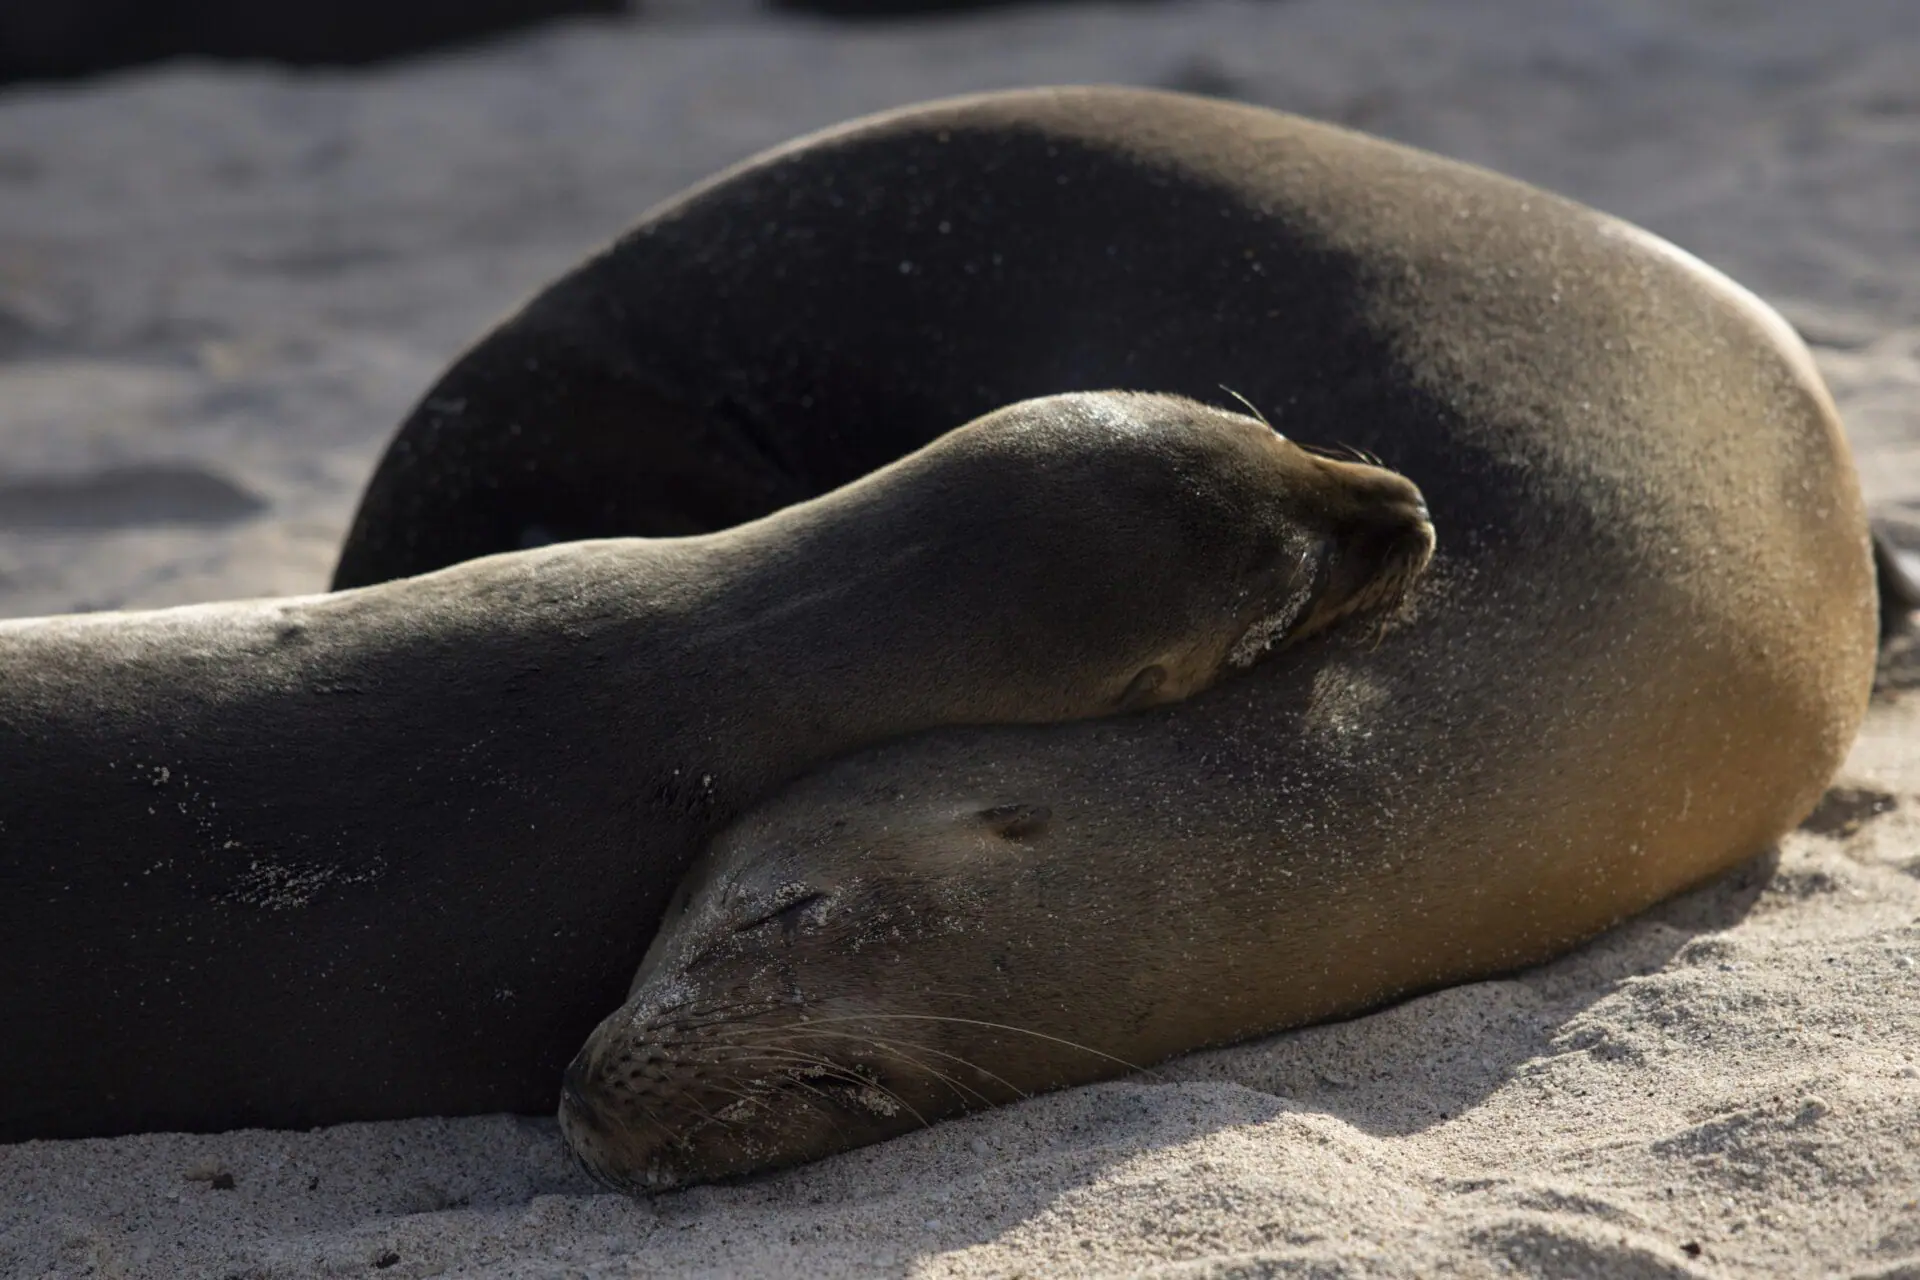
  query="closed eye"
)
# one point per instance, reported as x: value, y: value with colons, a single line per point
x: 787, y: 916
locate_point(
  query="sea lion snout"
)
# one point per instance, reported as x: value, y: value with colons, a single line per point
x: 654, y: 1101
x: 1373, y: 538
x: 1390, y: 541
x: 1382, y: 541
x: 590, y: 1133
x: 610, y: 1096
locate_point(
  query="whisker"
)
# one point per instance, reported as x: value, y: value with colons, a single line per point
x: 1341, y: 451
x: 1251, y: 407
x: 838, y: 1072
x: 893, y: 1050
x: 927, y: 1048
x: 820, y: 1102
x: 997, y: 1026
x: 701, y: 1117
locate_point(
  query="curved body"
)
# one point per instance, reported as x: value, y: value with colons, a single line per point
x: 394, y: 851
x: 1645, y: 644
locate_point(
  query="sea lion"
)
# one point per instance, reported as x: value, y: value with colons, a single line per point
x: 394, y: 851
x: 1645, y: 644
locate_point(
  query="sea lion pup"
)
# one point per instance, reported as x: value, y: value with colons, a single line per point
x: 1644, y: 645
x: 394, y: 851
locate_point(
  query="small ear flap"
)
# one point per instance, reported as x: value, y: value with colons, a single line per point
x: 1016, y: 821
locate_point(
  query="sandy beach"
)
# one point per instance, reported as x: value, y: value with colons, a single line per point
x: 220, y: 288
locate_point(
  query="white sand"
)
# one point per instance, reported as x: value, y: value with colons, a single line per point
x: 219, y: 290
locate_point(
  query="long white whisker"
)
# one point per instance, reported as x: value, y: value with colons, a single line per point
x: 997, y: 1026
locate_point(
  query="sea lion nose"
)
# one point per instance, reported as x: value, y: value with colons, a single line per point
x: 1390, y: 517
x: 1384, y: 539
x: 1400, y: 534
x: 1414, y: 523
x: 1392, y: 497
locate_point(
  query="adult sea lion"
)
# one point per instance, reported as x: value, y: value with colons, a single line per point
x: 1646, y: 642
x: 394, y: 851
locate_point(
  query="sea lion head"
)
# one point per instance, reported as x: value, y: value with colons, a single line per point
x: 1235, y: 542
x: 830, y: 975
x: 839, y: 964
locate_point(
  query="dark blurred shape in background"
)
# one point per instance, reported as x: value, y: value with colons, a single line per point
x: 54, y: 39
x: 51, y: 38
x: 890, y: 8
x: 895, y: 8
